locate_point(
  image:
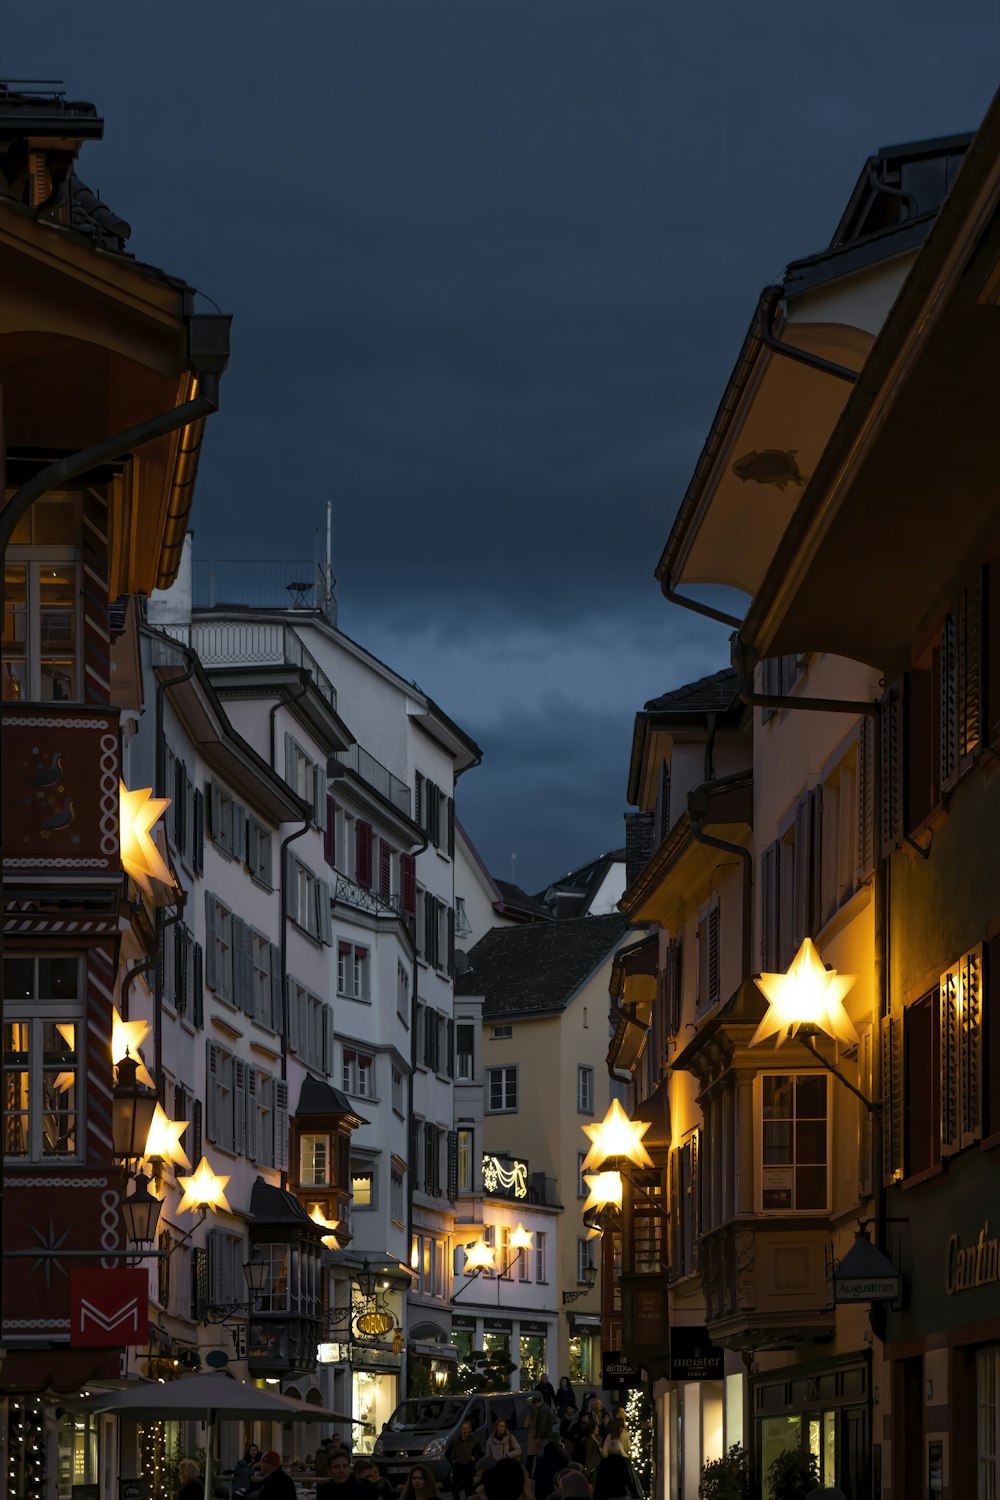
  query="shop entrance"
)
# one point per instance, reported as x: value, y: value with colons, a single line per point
x: 820, y: 1410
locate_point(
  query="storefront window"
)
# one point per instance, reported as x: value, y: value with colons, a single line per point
x: 532, y: 1360
x: 581, y: 1359
x: 777, y: 1434
x: 498, y: 1345
x: 375, y: 1400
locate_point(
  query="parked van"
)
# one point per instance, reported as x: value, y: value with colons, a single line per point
x: 421, y: 1428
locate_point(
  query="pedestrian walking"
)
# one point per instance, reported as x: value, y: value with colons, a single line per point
x: 501, y: 1443
x: 547, y: 1389
x: 564, y: 1395
x: 463, y: 1452
x: 614, y: 1479
x: 539, y: 1428
x: 589, y: 1448
x: 421, y: 1485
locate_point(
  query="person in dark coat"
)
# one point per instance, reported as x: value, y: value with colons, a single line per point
x: 547, y: 1389
x: 614, y: 1479
x: 277, y: 1484
x: 564, y: 1396
x: 588, y: 1448
x: 568, y: 1421
x: 463, y: 1452
x: 192, y: 1486
x: 371, y: 1482
x: 246, y: 1468
x: 550, y: 1462
x: 341, y: 1485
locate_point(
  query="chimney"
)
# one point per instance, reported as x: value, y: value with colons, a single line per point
x: 638, y: 844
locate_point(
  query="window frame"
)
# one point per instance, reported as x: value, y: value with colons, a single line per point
x: 506, y: 1107
x: 584, y: 1089
x: 813, y: 1075
x: 33, y: 557
x: 37, y: 1012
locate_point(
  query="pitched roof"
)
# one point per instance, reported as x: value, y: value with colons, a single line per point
x: 538, y: 968
x: 517, y: 902
x: 712, y: 694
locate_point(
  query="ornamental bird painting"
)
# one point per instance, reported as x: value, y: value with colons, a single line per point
x: 49, y: 775
x: 59, y: 820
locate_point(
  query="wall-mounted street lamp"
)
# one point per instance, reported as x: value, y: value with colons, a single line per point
x: 590, y: 1280
x: 806, y: 999
x: 616, y: 1139
x: 140, y: 1213
x: 203, y: 1190
x: 133, y: 1106
x: 257, y: 1275
x: 138, y: 813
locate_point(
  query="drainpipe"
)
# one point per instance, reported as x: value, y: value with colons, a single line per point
x: 283, y: 910
x: 697, y: 809
x: 71, y: 466
x: 697, y: 608
x: 411, y: 1174
x: 163, y: 923
x: 766, y: 309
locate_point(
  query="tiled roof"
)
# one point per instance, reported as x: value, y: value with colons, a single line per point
x: 712, y: 694
x: 538, y: 968
x: 517, y: 900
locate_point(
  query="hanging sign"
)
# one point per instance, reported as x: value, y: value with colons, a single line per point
x: 693, y: 1356
x: 108, y: 1307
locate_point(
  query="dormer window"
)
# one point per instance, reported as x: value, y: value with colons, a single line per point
x: 315, y: 1161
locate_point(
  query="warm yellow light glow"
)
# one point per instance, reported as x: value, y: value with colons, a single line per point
x: 203, y: 1190
x: 605, y: 1190
x: 480, y: 1257
x: 414, y: 1254
x: 616, y: 1136
x: 128, y: 1036
x: 138, y: 812
x: 318, y: 1217
x: 807, y: 995
x: 164, y: 1139
x: 521, y: 1239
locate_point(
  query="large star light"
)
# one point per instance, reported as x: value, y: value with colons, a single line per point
x: 138, y: 812
x: 605, y: 1189
x: 809, y: 994
x: 203, y: 1190
x: 318, y: 1217
x: 128, y: 1037
x: 616, y: 1136
x: 479, y: 1257
x: 164, y: 1139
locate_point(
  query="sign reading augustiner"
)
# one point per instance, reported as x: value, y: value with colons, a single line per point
x: 977, y: 1265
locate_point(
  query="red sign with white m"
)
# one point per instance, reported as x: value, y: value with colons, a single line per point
x: 108, y: 1307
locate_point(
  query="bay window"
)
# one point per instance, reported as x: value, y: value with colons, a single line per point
x: 794, y: 1139
x: 41, y: 625
x: 42, y: 1058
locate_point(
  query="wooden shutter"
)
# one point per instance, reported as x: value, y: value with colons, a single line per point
x: 891, y: 1074
x: 330, y: 833
x: 695, y: 1203
x: 714, y: 953
x: 363, y: 866
x: 450, y: 1047
x: 866, y: 798
x: 452, y: 1165
x: 970, y: 671
x: 770, y: 907
x: 676, y: 1212
x: 211, y: 1093
x: 701, y: 937
x: 292, y: 1014
x: 971, y: 1021
x: 324, y: 897
x: 865, y: 1083
x: 319, y: 797
x: 281, y: 1124
x: 384, y: 868
x: 408, y: 882
x: 239, y: 1105
x: 277, y: 988
x: 198, y: 852
x: 198, y: 986
x: 211, y: 942
x: 250, y: 1145
x: 215, y: 813
x: 182, y: 978
x: 675, y: 977
x: 451, y: 942
x: 196, y: 1131
x: 418, y: 801
x: 802, y: 868
x: 949, y: 1056
x: 451, y: 827
x: 892, y: 780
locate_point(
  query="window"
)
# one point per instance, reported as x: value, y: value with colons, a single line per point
x: 465, y: 1047
x: 504, y: 1255
x: 432, y: 1159
x: 922, y: 1081
x: 585, y: 1091
x: 42, y: 1058
x: 362, y: 1188
x: 960, y: 1001
x: 309, y: 901
x: 584, y: 1262
x: 708, y: 958
x: 259, y: 852
x: 463, y: 926
x: 464, y: 1160
x: 227, y: 822
x: 260, y: 1117
x: 182, y: 974
x: 353, y: 971
x: 306, y: 779
x: 541, y: 1246
x: 501, y: 1084
x: 960, y: 716
x: 778, y: 676
x: 359, y: 1075
x: 396, y: 1191
x: 398, y: 1102
x: 226, y: 1256
x: 435, y: 814
x: 314, y: 1159
x: 220, y: 1097
x: 582, y: 1189
x: 794, y: 1143
x: 310, y: 1027
x: 402, y: 993
x: 502, y: 1033
x: 276, y: 1296
x: 524, y: 1265
x: 41, y: 627
x: 218, y: 947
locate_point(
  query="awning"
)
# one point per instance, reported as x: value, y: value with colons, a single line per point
x: 432, y: 1350
x: 655, y: 1111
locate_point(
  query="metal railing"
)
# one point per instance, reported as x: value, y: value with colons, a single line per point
x: 373, y: 902
x: 234, y: 643
x: 377, y: 775
x: 260, y: 584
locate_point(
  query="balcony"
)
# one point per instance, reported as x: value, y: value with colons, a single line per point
x: 252, y: 643
x: 349, y: 893
x: 60, y: 791
x: 377, y: 776
x: 767, y: 1282
x: 261, y: 585
x: 508, y: 1177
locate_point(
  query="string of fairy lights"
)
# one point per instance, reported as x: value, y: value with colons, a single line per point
x: 153, y: 1460
x: 25, y: 1450
x: 640, y: 1437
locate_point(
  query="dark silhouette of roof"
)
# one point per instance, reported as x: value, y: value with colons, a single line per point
x: 712, y: 694
x: 517, y: 902
x: 536, y: 969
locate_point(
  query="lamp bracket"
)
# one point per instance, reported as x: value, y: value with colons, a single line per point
x: 871, y: 1105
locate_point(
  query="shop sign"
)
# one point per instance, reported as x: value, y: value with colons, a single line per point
x: 531, y: 1325
x: 497, y: 1325
x: 462, y: 1320
x: 376, y: 1359
x: 693, y: 1356
x: 108, y: 1308
x: 976, y: 1265
x: 866, y: 1275
x: 617, y: 1371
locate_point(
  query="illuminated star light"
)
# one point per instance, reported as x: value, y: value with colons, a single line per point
x: 605, y: 1190
x: 479, y: 1257
x: 164, y: 1139
x: 521, y: 1239
x: 616, y: 1136
x: 203, y: 1190
x: 138, y: 812
x: 809, y: 994
x: 127, y: 1037
x: 318, y: 1217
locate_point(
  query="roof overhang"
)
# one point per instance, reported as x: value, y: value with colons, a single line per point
x: 905, y: 499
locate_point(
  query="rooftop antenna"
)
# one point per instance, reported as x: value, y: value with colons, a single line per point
x: 326, y: 603
x: 513, y: 856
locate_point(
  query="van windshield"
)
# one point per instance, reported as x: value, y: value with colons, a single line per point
x: 429, y: 1413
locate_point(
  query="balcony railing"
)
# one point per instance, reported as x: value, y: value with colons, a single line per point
x: 377, y: 775
x: 256, y: 584
x: 235, y: 643
x: 373, y: 902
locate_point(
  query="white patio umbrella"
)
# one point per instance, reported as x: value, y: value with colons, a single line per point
x: 206, y: 1398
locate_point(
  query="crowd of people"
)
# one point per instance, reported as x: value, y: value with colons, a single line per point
x: 571, y: 1451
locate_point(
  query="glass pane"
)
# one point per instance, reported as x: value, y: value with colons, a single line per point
x: 777, y: 1434
x: 810, y: 1187
x: 810, y: 1141
x: 315, y: 1158
x: 777, y: 1143
x: 16, y: 1041
x: 58, y: 978
x: 829, y: 1447
x: 777, y: 1097
x: 19, y: 978
x: 57, y: 610
x: 810, y: 1097
x: 15, y: 634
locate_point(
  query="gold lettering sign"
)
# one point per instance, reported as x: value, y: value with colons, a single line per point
x: 976, y: 1265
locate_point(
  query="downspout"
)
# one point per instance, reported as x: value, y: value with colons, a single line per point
x: 697, y: 608
x: 411, y: 1174
x: 766, y: 309
x: 55, y: 475
x: 283, y: 906
x: 697, y: 809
